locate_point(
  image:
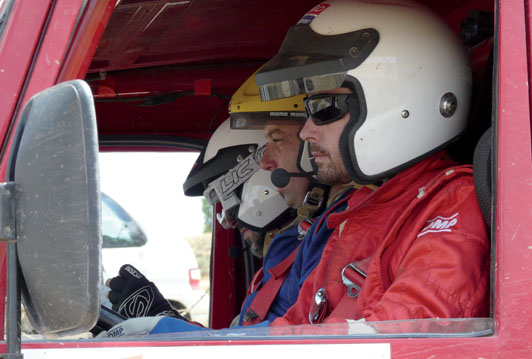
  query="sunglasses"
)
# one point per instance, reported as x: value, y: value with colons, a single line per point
x: 327, y: 108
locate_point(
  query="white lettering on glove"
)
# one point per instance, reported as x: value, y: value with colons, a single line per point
x: 137, y: 304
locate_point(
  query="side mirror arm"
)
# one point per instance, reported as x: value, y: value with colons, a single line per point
x: 13, y: 335
x: 8, y: 234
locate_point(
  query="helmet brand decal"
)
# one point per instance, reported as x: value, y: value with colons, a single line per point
x: 287, y: 114
x: 237, y: 176
x: 313, y: 13
x: 222, y: 189
x: 307, y: 19
x: 439, y: 224
x: 318, y: 9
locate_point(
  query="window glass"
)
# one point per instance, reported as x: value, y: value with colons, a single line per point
x: 5, y: 10
x: 137, y: 180
x: 142, y: 193
x: 149, y: 223
x: 118, y: 228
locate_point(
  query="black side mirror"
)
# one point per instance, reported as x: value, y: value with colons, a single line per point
x: 51, y: 209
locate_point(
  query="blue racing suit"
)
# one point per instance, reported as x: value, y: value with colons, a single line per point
x: 307, y: 258
x: 281, y: 247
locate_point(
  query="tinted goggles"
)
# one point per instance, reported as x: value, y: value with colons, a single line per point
x: 327, y: 108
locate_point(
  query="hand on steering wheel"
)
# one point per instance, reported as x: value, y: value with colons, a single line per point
x: 133, y: 296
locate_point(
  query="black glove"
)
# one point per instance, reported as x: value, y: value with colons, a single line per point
x: 133, y: 296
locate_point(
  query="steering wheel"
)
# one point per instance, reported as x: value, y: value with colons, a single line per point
x: 108, y: 319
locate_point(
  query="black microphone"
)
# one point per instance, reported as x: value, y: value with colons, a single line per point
x: 281, y: 177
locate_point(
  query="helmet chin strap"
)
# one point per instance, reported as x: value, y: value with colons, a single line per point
x: 281, y: 177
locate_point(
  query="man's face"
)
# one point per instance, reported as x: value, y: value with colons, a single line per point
x: 324, y: 145
x: 281, y: 152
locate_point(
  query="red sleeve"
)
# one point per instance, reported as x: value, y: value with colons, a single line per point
x: 445, y: 271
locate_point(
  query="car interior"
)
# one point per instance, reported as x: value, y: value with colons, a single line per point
x: 162, y: 78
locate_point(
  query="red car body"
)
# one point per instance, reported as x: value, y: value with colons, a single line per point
x: 208, y: 48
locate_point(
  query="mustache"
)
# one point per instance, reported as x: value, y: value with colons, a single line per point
x: 314, y: 148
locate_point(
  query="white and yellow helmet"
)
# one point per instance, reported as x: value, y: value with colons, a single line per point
x: 247, y: 111
x: 408, y: 70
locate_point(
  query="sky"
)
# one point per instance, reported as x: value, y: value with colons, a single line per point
x: 149, y: 186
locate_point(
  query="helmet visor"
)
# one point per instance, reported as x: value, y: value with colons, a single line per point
x: 310, y: 62
x: 300, y: 86
x: 258, y: 120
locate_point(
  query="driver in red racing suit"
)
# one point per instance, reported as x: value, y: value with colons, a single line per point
x: 421, y: 242
x: 416, y: 247
x: 388, y: 88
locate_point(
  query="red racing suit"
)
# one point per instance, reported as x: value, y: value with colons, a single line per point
x: 420, y: 240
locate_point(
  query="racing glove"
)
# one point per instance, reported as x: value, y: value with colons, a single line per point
x: 133, y: 296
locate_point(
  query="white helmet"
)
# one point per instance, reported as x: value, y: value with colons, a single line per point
x: 225, y: 149
x: 261, y: 206
x: 408, y: 72
x: 228, y: 171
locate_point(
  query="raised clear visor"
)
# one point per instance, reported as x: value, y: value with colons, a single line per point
x: 310, y: 62
x: 257, y: 120
x: 289, y: 88
x: 418, y: 328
